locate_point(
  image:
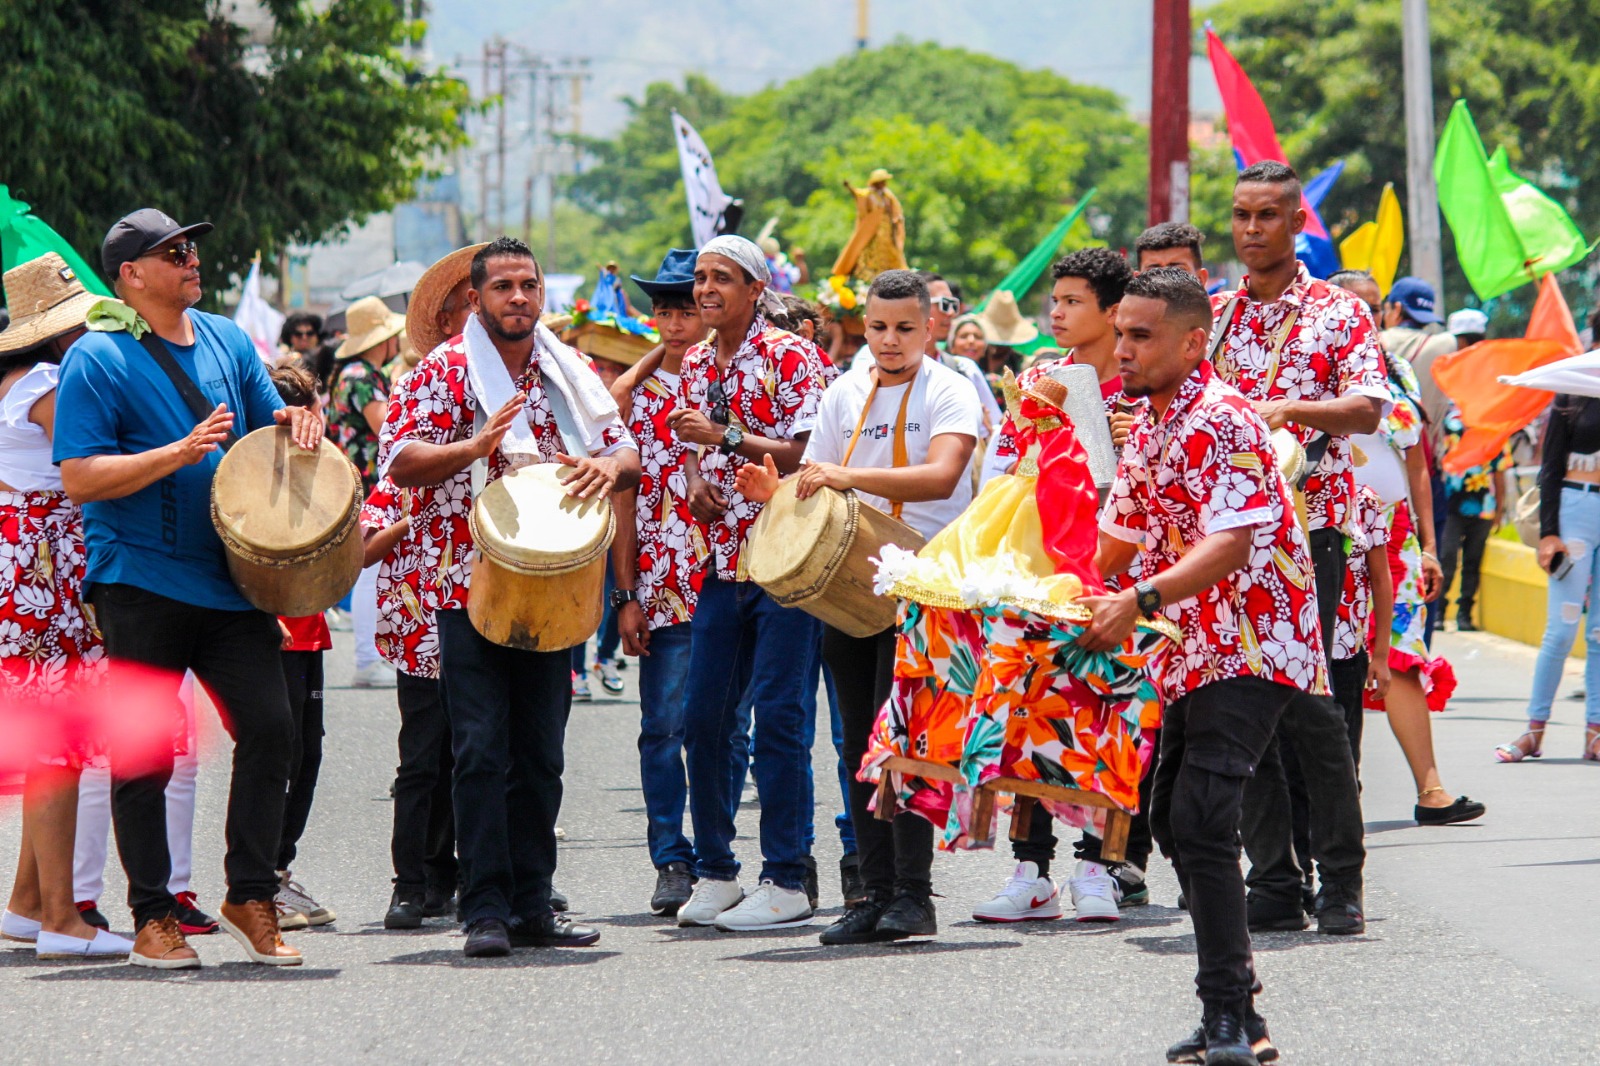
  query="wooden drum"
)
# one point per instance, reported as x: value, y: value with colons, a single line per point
x: 538, y: 577
x: 289, y: 521
x: 816, y: 554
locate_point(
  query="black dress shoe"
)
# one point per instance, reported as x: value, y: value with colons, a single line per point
x: 487, y: 938
x: 553, y: 932
x: 405, y: 911
x: 674, y: 886
x: 909, y: 916
x: 858, y: 926
x: 1339, y: 911
x: 437, y: 904
x: 1272, y: 916
x: 1226, y: 1042
x: 1462, y: 810
x: 558, y: 900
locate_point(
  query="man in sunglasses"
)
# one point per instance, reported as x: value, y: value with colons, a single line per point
x: 132, y: 455
x: 943, y: 307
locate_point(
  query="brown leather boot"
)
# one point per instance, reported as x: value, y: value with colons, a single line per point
x: 255, y: 925
x: 160, y: 946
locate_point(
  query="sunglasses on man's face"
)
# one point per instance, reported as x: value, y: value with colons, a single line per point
x: 179, y: 254
x: 304, y: 333
x: 948, y: 304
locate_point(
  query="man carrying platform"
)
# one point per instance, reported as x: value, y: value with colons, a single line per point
x: 900, y: 433
x: 506, y: 393
x: 1199, y: 501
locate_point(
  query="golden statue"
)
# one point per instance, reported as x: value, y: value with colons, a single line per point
x: 879, y: 240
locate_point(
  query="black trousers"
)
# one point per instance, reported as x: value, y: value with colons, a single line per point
x: 423, y: 843
x: 235, y: 654
x: 302, y: 673
x: 1312, y: 733
x: 1040, y: 847
x: 508, y: 723
x: 1465, y: 536
x: 1212, y: 740
x: 895, y: 856
x: 1349, y: 683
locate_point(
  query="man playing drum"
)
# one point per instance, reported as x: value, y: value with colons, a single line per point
x: 133, y: 457
x: 900, y: 432
x: 505, y: 391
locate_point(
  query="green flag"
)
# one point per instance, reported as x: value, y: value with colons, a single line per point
x: 1021, y: 279
x: 1507, y: 232
x: 25, y: 236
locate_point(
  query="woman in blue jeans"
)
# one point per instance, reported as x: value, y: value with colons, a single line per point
x: 1569, y: 551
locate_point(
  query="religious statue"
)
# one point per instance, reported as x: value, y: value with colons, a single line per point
x: 879, y: 240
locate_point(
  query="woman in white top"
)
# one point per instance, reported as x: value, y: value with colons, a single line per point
x: 900, y: 432
x: 49, y: 647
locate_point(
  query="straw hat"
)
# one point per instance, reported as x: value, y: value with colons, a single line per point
x: 46, y: 299
x: 429, y: 294
x: 879, y: 177
x: 370, y: 323
x: 1003, y: 323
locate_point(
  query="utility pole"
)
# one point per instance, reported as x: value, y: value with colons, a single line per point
x: 1422, y: 196
x: 500, y: 136
x: 1169, y: 112
x: 861, y: 24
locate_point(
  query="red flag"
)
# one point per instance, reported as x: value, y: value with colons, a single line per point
x: 1491, y: 411
x: 1249, y: 123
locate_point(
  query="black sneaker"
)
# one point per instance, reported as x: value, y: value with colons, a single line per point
x: 553, y: 931
x: 1308, y: 897
x: 858, y: 926
x: 405, y: 910
x: 191, y: 919
x: 90, y: 913
x: 1192, y: 1049
x: 813, y: 888
x: 487, y: 938
x: 851, y: 887
x: 1464, y: 625
x: 910, y: 916
x: 674, y: 886
x: 437, y: 903
x: 1272, y: 916
x: 558, y: 900
x: 1135, y: 893
x: 1226, y: 1042
x: 1339, y: 911
x: 1183, y: 900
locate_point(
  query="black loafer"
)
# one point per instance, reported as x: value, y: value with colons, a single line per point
x: 1462, y: 810
x: 405, y: 911
x: 487, y: 938
x: 553, y: 932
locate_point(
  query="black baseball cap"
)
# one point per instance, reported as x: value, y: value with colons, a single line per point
x: 139, y: 233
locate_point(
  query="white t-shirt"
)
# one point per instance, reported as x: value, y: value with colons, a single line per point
x: 980, y: 384
x: 941, y: 402
x: 24, y: 449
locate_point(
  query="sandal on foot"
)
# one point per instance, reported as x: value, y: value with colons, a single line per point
x: 1462, y: 810
x: 1513, y: 752
x: 1591, y: 744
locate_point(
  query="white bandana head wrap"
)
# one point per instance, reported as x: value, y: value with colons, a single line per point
x: 746, y: 254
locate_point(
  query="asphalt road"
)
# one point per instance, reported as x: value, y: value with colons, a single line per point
x: 1482, y: 942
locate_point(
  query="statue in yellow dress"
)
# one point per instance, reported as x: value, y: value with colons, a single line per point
x: 879, y: 240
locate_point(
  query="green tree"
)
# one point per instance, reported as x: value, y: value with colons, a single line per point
x: 107, y: 106
x: 1330, y: 72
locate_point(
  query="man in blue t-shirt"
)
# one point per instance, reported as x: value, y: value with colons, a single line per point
x: 132, y: 455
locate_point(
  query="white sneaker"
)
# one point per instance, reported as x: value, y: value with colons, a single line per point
x: 580, y: 688
x: 289, y: 919
x: 1095, y: 893
x: 293, y: 897
x: 339, y: 621
x: 708, y: 900
x: 1027, y: 897
x: 102, y: 945
x: 377, y: 675
x: 768, y: 907
x: 610, y: 677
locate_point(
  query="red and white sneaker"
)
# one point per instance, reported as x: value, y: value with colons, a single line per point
x: 1026, y: 897
x: 191, y: 919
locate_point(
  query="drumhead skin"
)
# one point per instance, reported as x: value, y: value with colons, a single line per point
x: 794, y: 537
x: 527, y: 521
x: 279, y: 500
x: 1291, y: 456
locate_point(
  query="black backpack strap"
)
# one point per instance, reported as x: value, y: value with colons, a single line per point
x: 199, y: 406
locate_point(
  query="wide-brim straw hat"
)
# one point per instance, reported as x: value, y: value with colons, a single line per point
x: 430, y: 293
x: 369, y: 324
x: 1003, y: 323
x: 45, y: 299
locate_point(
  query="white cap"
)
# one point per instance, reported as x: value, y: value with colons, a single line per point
x: 1467, y: 320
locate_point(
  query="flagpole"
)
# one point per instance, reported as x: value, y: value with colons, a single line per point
x: 1422, y: 195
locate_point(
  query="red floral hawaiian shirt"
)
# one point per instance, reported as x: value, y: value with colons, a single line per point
x: 434, y: 404
x: 1369, y: 529
x: 1207, y: 466
x: 672, y: 545
x: 408, y: 579
x: 1315, y: 342
x: 772, y: 388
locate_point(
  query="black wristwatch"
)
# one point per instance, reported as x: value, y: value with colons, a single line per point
x: 732, y: 437
x: 1149, y: 598
x: 622, y: 596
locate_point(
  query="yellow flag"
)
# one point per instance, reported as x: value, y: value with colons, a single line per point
x: 1375, y: 246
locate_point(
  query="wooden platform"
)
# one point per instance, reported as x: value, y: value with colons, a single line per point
x: 1113, y: 846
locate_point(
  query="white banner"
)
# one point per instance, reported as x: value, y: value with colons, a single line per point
x: 256, y: 317
x: 707, y: 201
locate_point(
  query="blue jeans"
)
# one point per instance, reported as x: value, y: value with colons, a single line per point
x: 841, y: 821
x: 744, y: 640
x: 662, y: 677
x: 1580, y: 530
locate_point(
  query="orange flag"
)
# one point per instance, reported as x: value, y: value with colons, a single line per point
x: 1491, y: 411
